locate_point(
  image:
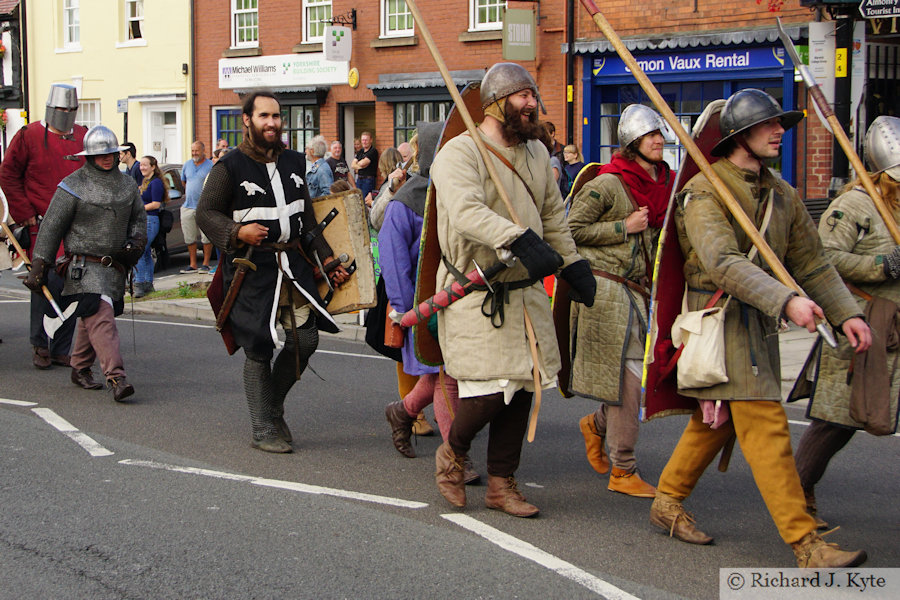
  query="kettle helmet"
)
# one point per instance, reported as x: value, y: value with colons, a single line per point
x: 747, y: 108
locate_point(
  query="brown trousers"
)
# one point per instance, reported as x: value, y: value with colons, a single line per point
x: 820, y: 442
x: 762, y: 431
x: 507, y: 429
x: 98, y: 338
x: 619, y: 424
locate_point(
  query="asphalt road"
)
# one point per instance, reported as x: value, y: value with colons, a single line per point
x: 184, y: 508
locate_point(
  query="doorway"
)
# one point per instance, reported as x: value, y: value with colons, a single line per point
x: 354, y: 119
x: 162, y: 132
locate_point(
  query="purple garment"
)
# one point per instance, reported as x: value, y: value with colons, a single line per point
x: 398, y: 247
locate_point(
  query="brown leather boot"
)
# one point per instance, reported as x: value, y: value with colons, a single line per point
x: 630, y: 484
x: 274, y: 444
x: 470, y: 475
x: 62, y: 360
x: 593, y: 445
x: 449, y: 469
x: 421, y: 426
x: 120, y: 387
x: 401, y: 428
x: 813, y: 511
x: 669, y: 514
x: 813, y: 552
x: 85, y: 379
x: 41, y: 358
x: 503, y: 494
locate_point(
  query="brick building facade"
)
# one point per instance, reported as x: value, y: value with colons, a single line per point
x: 398, y: 81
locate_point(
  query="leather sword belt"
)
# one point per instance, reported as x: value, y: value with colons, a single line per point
x: 105, y: 261
x: 631, y: 284
x: 278, y: 246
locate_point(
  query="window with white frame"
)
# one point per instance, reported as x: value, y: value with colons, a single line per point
x: 88, y: 113
x: 71, y: 24
x: 244, y: 23
x: 486, y: 15
x: 134, y: 19
x: 396, y: 20
x: 315, y: 15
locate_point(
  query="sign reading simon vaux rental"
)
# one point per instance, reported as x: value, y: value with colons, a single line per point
x: 719, y: 59
x: 280, y: 71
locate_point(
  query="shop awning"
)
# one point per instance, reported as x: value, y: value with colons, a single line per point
x: 392, y: 87
x: 690, y: 39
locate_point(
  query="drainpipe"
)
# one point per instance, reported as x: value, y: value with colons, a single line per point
x: 570, y: 71
x: 23, y: 42
x: 193, y: 94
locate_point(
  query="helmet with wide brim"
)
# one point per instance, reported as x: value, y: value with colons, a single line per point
x: 747, y: 108
x: 100, y: 140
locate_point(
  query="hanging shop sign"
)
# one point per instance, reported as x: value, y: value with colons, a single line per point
x: 280, y: 71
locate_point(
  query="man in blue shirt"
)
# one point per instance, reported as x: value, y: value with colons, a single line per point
x: 320, y: 177
x: 193, y: 174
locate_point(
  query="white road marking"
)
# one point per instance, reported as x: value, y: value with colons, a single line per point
x: 17, y: 402
x: 534, y: 554
x: 128, y: 318
x: 275, y: 483
x: 377, y: 357
x: 14, y: 301
x: 82, y: 439
x: 807, y: 423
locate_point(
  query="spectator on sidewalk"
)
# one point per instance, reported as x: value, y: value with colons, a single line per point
x: 193, y: 174
x: 132, y: 166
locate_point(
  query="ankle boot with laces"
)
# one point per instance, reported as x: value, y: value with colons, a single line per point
x: 503, y: 494
x: 813, y: 552
x: 668, y: 513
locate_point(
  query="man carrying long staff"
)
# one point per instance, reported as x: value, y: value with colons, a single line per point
x: 483, y: 335
x: 715, y: 250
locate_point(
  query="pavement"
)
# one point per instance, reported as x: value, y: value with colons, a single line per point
x: 794, y: 343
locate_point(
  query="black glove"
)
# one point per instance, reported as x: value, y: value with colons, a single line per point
x: 584, y: 286
x: 892, y: 263
x: 536, y: 255
x: 130, y: 253
x: 37, y: 275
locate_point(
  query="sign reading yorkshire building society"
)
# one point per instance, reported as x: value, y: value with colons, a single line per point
x: 518, y: 34
x: 281, y: 71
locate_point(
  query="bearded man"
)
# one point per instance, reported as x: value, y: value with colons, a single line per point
x: 489, y: 354
x: 614, y: 219
x: 98, y: 215
x: 256, y: 204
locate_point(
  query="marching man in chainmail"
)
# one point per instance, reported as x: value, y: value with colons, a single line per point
x: 256, y: 206
x: 98, y: 215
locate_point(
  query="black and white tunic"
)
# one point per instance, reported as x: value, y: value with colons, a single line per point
x: 241, y: 190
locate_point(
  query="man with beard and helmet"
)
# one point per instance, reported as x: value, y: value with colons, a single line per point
x: 614, y: 219
x: 40, y: 155
x: 748, y: 405
x: 256, y: 205
x: 98, y: 215
x: 488, y: 352
x: 859, y: 244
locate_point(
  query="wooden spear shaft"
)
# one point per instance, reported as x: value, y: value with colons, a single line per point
x: 495, y: 177
x: 722, y: 190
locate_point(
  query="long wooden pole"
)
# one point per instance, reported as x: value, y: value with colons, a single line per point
x: 840, y: 135
x: 722, y: 190
x: 495, y: 177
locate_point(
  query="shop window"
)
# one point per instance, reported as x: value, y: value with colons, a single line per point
x: 244, y: 23
x: 301, y: 125
x: 315, y: 15
x: 71, y: 33
x: 686, y: 100
x: 88, y: 113
x: 229, y: 126
x: 407, y: 114
x: 396, y: 20
x: 486, y: 15
x: 134, y: 19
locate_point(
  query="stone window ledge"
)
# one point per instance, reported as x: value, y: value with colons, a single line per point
x: 395, y: 42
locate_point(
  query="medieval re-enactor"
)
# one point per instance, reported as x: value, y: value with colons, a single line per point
x: 611, y: 223
x: 256, y: 198
x: 489, y: 354
x: 715, y: 250
x: 98, y: 215
x: 858, y: 243
x: 39, y: 156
